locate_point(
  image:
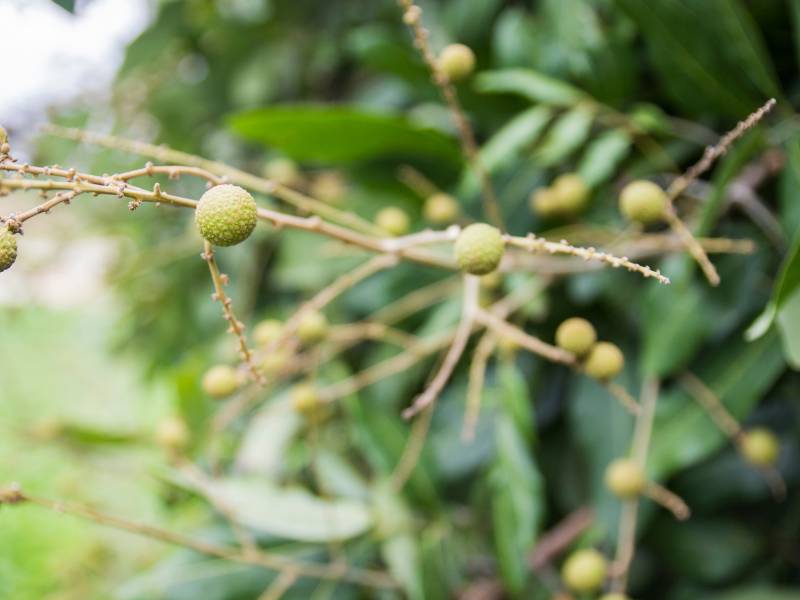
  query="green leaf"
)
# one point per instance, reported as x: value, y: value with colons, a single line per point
x: 603, y: 156
x: 519, y: 133
x: 68, y: 5
x: 566, y: 135
x: 529, y: 84
x: 266, y: 439
x: 339, y: 134
x: 788, y: 321
x: 291, y: 513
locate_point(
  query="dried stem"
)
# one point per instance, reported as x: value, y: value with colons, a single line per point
x: 533, y: 344
x: 669, y: 500
x: 413, y: 18
x: 412, y: 451
x: 621, y: 394
x: 477, y: 375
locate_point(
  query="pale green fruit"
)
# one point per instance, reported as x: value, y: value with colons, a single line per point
x: 643, y: 202
x: 457, y: 61
x: 441, y: 209
x: 544, y: 202
x: 604, y: 361
x: 328, y: 186
x: 282, y: 171
x: 576, y: 335
x: 571, y: 193
x: 625, y: 478
x: 479, y: 249
x: 312, y: 328
x: 221, y: 381
x: 8, y: 248
x: 760, y: 447
x: 584, y: 571
x: 226, y: 215
x: 267, y: 331
x: 172, y: 434
x: 393, y: 221
x: 305, y: 398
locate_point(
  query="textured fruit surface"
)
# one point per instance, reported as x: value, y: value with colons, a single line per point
x: 267, y: 331
x: 457, y: 61
x: 312, y: 328
x: 479, y: 249
x: 625, y: 478
x: 571, y: 193
x: 584, y: 571
x: 393, y: 221
x: 172, y: 434
x: 226, y: 215
x: 643, y: 202
x: 220, y: 381
x: 576, y: 335
x: 604, y: 361
x: 304, y: 398
x: 441, y: 209
x: 8, y: 249
x: 760, y: 447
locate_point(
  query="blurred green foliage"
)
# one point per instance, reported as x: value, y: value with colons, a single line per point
x: 612, y: 89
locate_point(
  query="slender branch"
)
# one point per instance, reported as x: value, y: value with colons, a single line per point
x: 504, y: 329
x: 477, y: 376
x: 413, y: 18
x: 669, y: 500
x: 560, y: 537
x: 412, y: 451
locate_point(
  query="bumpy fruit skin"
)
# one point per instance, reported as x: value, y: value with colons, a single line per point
x: 643, y: 202
x: 220, y: 381
x: 305, y: 398
x: 172, y: 434
x: 441, y: 209
x: 584, y: 571
x: 576, y: 335
x: 267, y: 331
x: 312, y: 328
x: 604, y: 361
x: 760, y: 447
x: 479, y: 249
x: 625, y: 478
x: 571, y: 193
x: 8, y: 249
x: 283, y: 171
x: 226, y: 215
x: 393, y: 221
x: 457, y: 61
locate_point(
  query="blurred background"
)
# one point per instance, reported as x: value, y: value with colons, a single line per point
x: 106, y: 322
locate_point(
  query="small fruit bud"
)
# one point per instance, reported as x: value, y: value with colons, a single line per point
x: 604, y: 361
x: 479, y: 249
x: 8, y: 248
x: 266, y: 332
x: 282, y: 171
x: 226, y: 215
x: 544, y: 202
x: 625, y: 478
x: 220, y: 381
x: 393, y: 221
x: 571, y: 193
x: 328, y: 186
x: 457, y: 61
x: 576, y: 335
x: 441, y: 209
x: 643, y: 202
x: 305, y: 398
x: 172, y: 434
x: 312, y: 328
x: 584, y: 571
x: 760, y: 447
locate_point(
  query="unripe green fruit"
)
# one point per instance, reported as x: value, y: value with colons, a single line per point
x: 221, y: 381
x: 492, y: 281
x: 282, y: 171
x: 604, y: 361
x: 305, y: 398
x: 544, y: 202
x: 312, y: 328
x: 267, y: 331
x: 328, y: 187
x: 8, y: 248
x: 441, y: 209
x: 172, y: 434
x: 457, y: 61
x: 584, y: 571
x: 625, y: 478
x: 571, y: 193
x: 576, y: 335
x: 393, y: 221
x: 760, y: 447
x: 614, y: 597
x: 275, y: 362
x: 643, y: 202
x: 226, y: 215
x: 479, y: 249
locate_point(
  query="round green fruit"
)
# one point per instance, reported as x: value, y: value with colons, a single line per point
x: 614, y: 597
x: 457, y: 61
x: 584, y: 571
x: 544, y: 202
x: 393, y: 221
x: 305, y: 398
x: 221, y: 381
x: 8, y: 248
x: 267, y: 331
x: 625, y: 478
x: 328, y: 186
x: 226, y: 215
x: 282, y: 171
x: 441, y: 209
x: 604, y: 361
x: 172, y: 434
x: 576, y: 335
x: 643, y: 202
x: 571, y: 193
x: 275, y: 362
x: 312, y: 328
x: 479, y: 249
x: 760, y: 447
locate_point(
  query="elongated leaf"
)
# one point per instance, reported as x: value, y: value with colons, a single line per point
x: 603, y: 156
x: 529, y: 84
x: 266, y: 439
x: 521, y: 132
x: 568, y: 134
x: 339, y: 134
x: 290, y: 513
